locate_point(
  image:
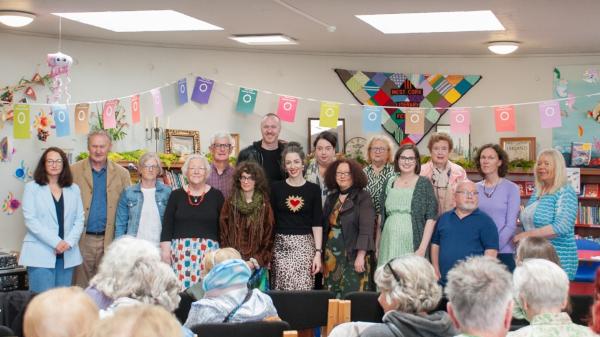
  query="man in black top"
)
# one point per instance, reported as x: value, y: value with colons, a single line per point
x: 267, y: 151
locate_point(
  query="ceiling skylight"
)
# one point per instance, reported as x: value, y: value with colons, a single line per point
x: 434, y: 22
x: 140, y: 21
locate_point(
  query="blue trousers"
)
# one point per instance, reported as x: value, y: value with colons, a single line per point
x: 42, y: 279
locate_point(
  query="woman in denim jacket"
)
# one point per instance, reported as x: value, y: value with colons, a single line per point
x: 136, y: 217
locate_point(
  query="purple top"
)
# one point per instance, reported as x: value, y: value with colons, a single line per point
x: 503, y: 207
x: 221, y: 182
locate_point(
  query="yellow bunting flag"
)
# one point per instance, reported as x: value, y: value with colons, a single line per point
x: 329, y: 114
x: 21, y: 121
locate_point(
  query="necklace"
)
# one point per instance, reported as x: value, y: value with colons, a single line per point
x: 195, y: 200
x: 489, y: 194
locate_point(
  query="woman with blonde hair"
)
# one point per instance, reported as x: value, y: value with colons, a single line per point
x: 380, y: 158
x: 552, y: 209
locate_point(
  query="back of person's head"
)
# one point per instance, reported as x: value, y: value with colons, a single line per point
x: 535, y: 247
x: 227, y: 274
x: 215, y: 257
x: 541, y: 285
x: 479, y: 292
x: 138, y: 321
x: 60, y: 312
x: 117, y: 262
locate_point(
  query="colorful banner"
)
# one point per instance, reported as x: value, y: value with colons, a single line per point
x: 82, y: 125
x: 135, y: 109
x: 182, y: 91
x: 328, y: 117
x: 246, y: 101
x: 550, y: 115
x: 61, y: 120
x: 202, y: 89
x: 460, y: 121
x: 108, y: 114
x: 505, y: 118
x: 21, y: 121
x: 286, y: 108
x: 415, y: 121
x: 157, y: 101
x: 372, y: 118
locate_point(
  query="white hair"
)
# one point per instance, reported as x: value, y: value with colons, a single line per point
x: 479, y: 291
x: 117, y: 262
x: 221, y: 135
x: 191, y: 157
x: 146, y: 157
x: 542, y: 284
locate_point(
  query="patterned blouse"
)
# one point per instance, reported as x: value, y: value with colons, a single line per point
x: 375, y: 183
x: 312, y: 175
x: 552, y: 324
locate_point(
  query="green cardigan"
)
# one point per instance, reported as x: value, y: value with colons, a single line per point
x: 423, y: 206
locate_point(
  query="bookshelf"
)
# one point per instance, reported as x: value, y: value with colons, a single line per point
x: 172, y: 175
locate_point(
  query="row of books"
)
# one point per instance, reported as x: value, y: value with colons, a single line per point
x: 525, y: 187
x: 588, y: 190
x: 174, y: 178
x: 589, y: 215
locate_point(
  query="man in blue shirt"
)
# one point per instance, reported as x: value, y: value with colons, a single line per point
x: 462, y: 232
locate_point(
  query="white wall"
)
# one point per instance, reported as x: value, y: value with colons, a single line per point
x: 104, y: 71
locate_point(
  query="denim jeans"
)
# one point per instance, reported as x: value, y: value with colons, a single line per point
x: 42, y: 279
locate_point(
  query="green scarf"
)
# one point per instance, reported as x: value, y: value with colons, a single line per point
x: 252, y: 209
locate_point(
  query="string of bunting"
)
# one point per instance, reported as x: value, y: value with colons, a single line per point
x: 504, y: 115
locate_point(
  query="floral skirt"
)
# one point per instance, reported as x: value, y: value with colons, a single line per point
x: 187, y: 255
x: 292, y: 262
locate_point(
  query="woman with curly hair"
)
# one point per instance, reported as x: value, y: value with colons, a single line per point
x: 247, y: 219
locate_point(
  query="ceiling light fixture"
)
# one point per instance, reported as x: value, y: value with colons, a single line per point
x: 16, y: 18
x: 503, y: 47
x: 264, y: 39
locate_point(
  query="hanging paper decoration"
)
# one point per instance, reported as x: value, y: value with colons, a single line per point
x: 23, y: 172
x: 286, y: 109
x: 10, y: 204
x: 42, y: 123
x: 82, y: 124
x: 371, y: 120
x: 550, y: 114
x: 21, y: 121
x: 135, y: 109
x: 182, y: 91
x: 397, y: 91
x: 6, y: 149
x: 328, y: 116
x: 29, y: 92
x: 59, y: 64
x: 460, y: 120
x: 505, y: 118
x: 415, y: 121
x: 37, y: 79
x: 157, y: 101
x: 202, y: 89
x: 61, y: 120
x: 109, y: 120
x: 246, y: 101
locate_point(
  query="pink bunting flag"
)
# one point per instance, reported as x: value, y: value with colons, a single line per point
x: 460, y: 121
x: 505, y: 118
x: 550, y: 114
x: 286, y: 109
x: 157, y: 101
x: 109, y: 120
x: 135, y: 109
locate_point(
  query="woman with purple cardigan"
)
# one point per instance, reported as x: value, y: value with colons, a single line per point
x: 499, y: 198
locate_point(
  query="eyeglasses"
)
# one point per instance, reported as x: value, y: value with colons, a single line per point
x: 407, y: 159
x: 389, y: 268
x: 342, y: 174
x: 149, y: 167
x: 222, y: 146
x: 378, y: 149
x: 440, y: 149
x: 248, y: 179
x: 197, y: 169
x: 468, y: 193
x: 53, y: 162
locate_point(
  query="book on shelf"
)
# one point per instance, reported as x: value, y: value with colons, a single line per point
x: 521, y: 185
x: 591, y: 190
x: 529, y: 188
x: 574, y: 178
x: 581, y: 153
x: 588, y: 215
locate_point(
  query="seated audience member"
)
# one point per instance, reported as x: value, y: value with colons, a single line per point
x: 409, y: 291
x: 479, y: 292
x: 462, y: 232
x: 60, y: 312
x: 227, y: 297
x: 141, y: 321
x: 116, y: 264
x: 543, y: 289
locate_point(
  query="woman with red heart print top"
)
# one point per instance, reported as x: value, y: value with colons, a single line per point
x: 298, y: 229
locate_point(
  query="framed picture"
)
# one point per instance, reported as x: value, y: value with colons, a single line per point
x: 236, y: 144
x: 314, y: 129
x: 182, y: 142
x: 519, y: 147
x: 461, y: 142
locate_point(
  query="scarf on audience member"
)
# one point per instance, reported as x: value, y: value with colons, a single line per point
x: 253, y: 209
x: 227, y: 274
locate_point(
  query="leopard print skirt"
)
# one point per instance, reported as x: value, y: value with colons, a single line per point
x: 292, y: 262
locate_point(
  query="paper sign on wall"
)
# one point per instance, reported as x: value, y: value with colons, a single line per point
x: 505, y: 118
x: 157, y: 101
x: 372, y: 118
x: 550, y: 114
x: 460, y: 120
x: 82, y: 125
x: 246, y: 101
x: 61, y: 120
x: 202, y: 89
x: 328, y: 117
x: 286, y: 109
x: 415, y: 121
x: 109, y: 120
x: 21, y: 121
x: 135, y: 109
x: 182, y: 94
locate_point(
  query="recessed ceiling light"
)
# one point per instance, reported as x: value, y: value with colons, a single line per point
x: 16, y: 18
x: 434, y: 22
x: 503, y: 47
x: 140, y: 21
x: 265, y: 39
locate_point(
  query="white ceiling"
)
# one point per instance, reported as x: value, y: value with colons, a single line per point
x: 542, y: 26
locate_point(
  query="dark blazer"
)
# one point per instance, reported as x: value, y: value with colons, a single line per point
x: 357, y: 218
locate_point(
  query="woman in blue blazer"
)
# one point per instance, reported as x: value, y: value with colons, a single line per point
x: 54, y: 218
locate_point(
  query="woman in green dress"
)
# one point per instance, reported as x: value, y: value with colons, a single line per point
x: 409, y: 209
x: 349, y: 220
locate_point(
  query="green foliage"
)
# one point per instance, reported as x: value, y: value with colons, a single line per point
x: 134, y: 156
x: 522, y: 164
x: 117, y: 133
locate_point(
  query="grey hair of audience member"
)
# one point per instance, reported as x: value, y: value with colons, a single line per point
x: 117, y: 262
x: 542, y: 285
x: 138, y: 321
x: 417, y: 291
x: 221, y: 135
x: 148, y: 156
x: 152, y: 281
x: 479, y: 292
x: 200, y: 157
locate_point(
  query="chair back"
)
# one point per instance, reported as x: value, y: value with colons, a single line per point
x: 364, y: 306
x: 6, y: 331
x: 302, y: 309
x: 580, y: 308
x: 184, y: 307
x: 246, y: 329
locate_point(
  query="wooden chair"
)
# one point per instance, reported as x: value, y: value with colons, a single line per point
x: 246, y: 329
x: 338, y: 312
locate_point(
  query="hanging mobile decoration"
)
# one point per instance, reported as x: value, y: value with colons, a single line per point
x: 60, y: 64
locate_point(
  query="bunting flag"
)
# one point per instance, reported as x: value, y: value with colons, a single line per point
x: 29, y: 92
x: 109, y: 120
x: 135, y: 109
x: 328, y: 117
x: 550, y: 115
x: 21, y: 121
x: 61, y: 120
x: 157, y: 101
x: 371, y: 118
x: 460, y: 121
x: 397, y: 91
x: 82, y: 125
x: 202, y: 89
x: 505, y: 118
x: 415, y: 121
x: 286, y: 108
x: 246, y: 101
x: 182, y: 94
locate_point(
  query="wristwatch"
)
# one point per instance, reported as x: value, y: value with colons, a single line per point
x: 319, y: 250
